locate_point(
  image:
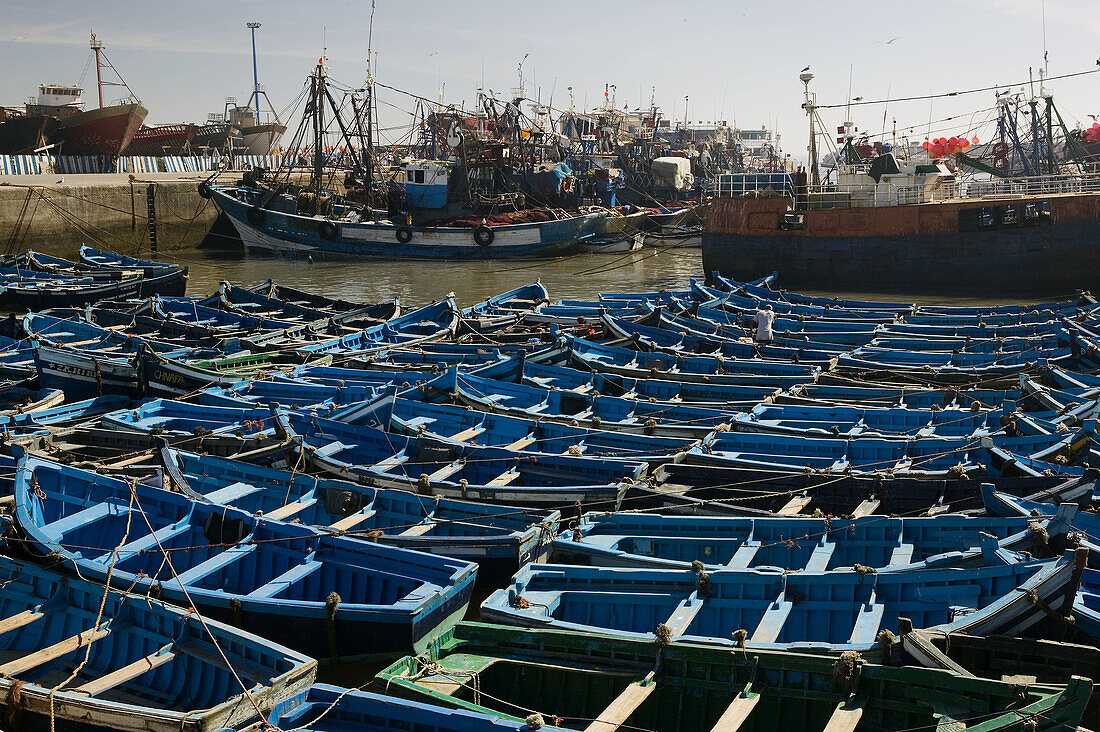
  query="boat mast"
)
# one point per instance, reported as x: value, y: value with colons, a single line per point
x: 806, y: 77
x: 318, y: 124
x: 97, y: 47
x: 255, y: 69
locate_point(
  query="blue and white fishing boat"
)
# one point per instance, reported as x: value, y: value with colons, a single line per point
x: 460, y: 425
x: 573, y: 407
x: 327, y: 596
x: 273, y: 231
x: 325, y: 708
x: 604, y: 358
x: 935, y: 456
x: 430, y: 467
x: 78, y: 657
x: 830, y: 611
x: 879, y: 543
x: 501, y: 539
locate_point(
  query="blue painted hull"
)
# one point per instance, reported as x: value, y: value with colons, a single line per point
x: 289, y: 234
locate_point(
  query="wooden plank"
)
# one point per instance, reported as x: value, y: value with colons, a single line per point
x: 737, y: 712
x: 684, y: 613
x: 744, y: 555
x: 504, y: 478
x: 820, y: 558
x: 126, y: 673
x: 19, y: 620
x: 846, y: 716
x: 521, y: 443
x: 794, y: 506
x: 447, y: 471
x: 467, y: 434
x: 771, y: 624
x: 419, y: 529
x: 866, y: 508
x: 618, y: 711
x: 284, y: 512
x: 354, y: 519
x: 50, y: 653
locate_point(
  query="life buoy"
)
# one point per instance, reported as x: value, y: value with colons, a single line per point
x: 1000, y: 162
x: 404, y: 234
x: 999, y: 149
x: 256, y: 216
x: 204, y: 189
x: 328, y: 231
x: 484, y: 236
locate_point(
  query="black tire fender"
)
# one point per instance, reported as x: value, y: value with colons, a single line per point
x: 204, y: 189
x: 484, y: 236
x: 404, y: 234
x: 328, y: 231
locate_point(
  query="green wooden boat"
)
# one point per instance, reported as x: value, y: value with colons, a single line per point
x: 600, y: 683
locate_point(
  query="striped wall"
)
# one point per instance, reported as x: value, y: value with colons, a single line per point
x: 69, y: 164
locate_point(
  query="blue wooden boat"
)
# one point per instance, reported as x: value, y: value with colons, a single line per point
x: 501, y: 539
x: 569, y: 407
x: 172, y: 417
x: 868, y: 394
x: 324, y: 708
x: 327, y: 596
x: 683, y: 393
x: 100, y: 258
x: 883, y: 544
x: 649, y: 338
x: 749, y: 303
x: 770, y: 608
x: 38, y: 294
x: 376, y: 458
x: 428, y: 323
x: 677, y: 367
x: 261, y: 302
x: 20, y: 400
x: 292, y: 393
x: 78, y: 658
x: 686, y: 488
x: 764, y: 292
x: 983, y: 365
x: 192, y: 313
x: 911, y: 456
x: 874, y: 421
x: 461, y: 425
x: 507, y: 306
x: 315, y: 301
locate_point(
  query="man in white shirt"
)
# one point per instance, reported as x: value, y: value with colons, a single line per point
x: 765, y: 316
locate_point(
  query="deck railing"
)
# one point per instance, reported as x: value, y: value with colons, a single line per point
x: 850, y: 196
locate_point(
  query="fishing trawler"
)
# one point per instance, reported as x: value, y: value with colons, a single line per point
x: 918, y: 224
x: 432, y: 213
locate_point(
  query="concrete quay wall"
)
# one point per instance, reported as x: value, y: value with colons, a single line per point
x: 55, y: 214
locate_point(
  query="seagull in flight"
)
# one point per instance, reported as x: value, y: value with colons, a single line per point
x: 19, y: 38
x: 892, y: 40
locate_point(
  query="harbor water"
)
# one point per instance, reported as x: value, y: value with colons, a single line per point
x: 578, y: 276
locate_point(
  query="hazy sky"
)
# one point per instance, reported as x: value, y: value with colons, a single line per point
x: 735, y: 60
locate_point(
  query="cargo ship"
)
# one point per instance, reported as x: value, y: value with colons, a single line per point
x: 907, y: 227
